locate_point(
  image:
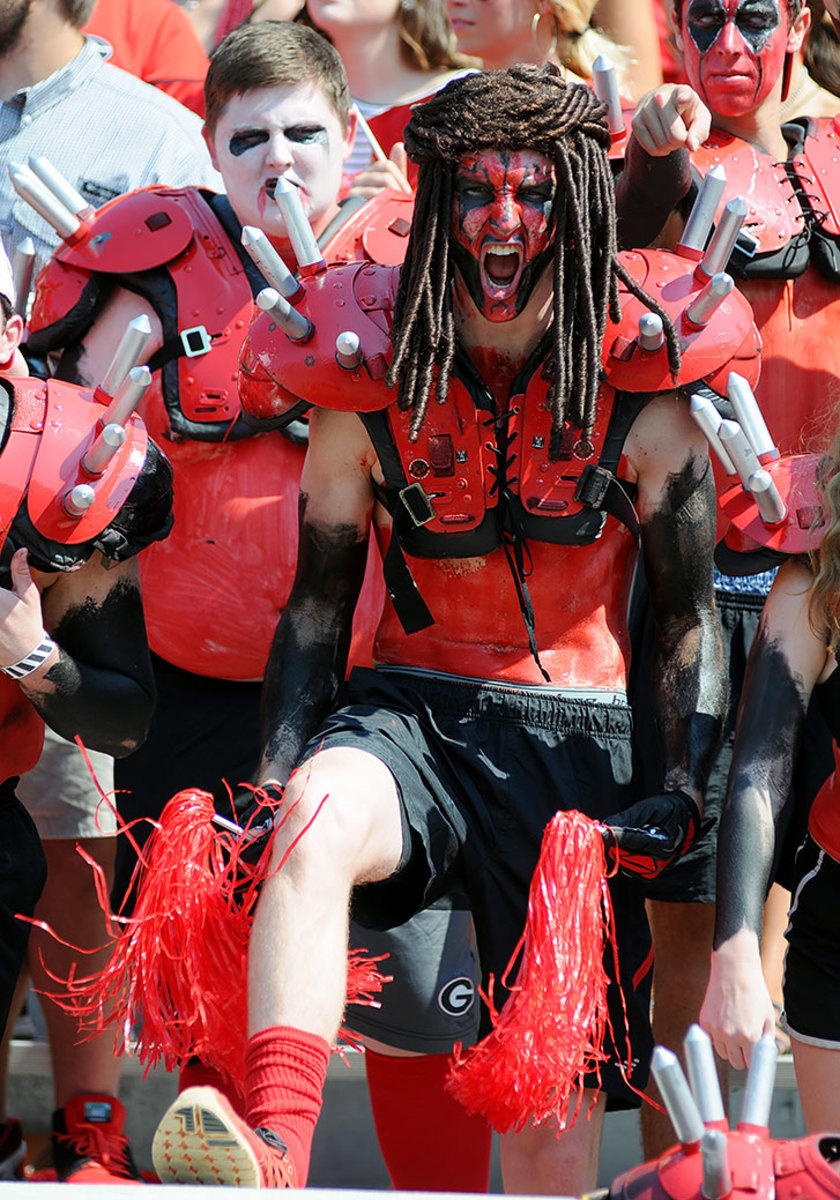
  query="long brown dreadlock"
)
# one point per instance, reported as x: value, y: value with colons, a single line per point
x: 526, y: 107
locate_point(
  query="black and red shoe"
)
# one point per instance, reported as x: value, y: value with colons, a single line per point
x: 88, y: 1142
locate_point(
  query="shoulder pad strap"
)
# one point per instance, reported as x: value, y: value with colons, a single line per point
x: 135, y: 232
x: 729, y: 341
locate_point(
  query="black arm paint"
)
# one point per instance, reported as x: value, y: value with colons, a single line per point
x: 770, y: 722
x: 649, y: 189
x: 690, y: 698
x: 309, y: 654
x: 102, y: 686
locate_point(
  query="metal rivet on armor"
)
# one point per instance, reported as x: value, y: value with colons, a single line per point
x: 461, y: 483
x: 238, y: 324
x: 190, y: 380
x: 418, y: 468
x: 369, y: 271
x: 340, y: 303
x: 220, y: 309
x: 544, y: 466
x: 310, y: 360
x: 583, y: 449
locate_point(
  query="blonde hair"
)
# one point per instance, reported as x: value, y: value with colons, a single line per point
x: 578, y: 43
x: 824, y: 598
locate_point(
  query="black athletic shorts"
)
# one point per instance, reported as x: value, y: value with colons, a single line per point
x: 481, y: 769
x: 23, y: 873
x: 811, y: 986
x: 207, y: 731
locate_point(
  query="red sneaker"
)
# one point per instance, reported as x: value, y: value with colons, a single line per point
x: 89, y: 1145
x: 202, y: 1140
x: 12, y: 1149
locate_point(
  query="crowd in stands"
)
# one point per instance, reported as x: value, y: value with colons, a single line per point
x: 232, y: 115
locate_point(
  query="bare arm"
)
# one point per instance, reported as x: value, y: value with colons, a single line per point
x: 634, y: 25
x: 98, y: 683
x: 677, y: 511
x: 308, y: 657
x: 785, y: 662
x: 88, y: 362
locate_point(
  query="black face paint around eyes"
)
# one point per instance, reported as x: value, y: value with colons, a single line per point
x: 704, y: 35
x: 308, y: 135
x: 240, y: 142
x: 757, y: 23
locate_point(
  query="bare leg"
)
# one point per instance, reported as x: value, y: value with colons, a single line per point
x: 539, y: 1163
x: 682, y: 939
x: 70, y: 906
x: 298, y: 950
x: 818, y: 1077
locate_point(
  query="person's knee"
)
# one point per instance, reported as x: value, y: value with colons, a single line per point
x: 340, y: 812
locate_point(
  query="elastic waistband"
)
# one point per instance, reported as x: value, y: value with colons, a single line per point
x: 573, y: 710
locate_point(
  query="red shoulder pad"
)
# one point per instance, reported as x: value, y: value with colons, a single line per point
x: 795, y: 477
x: 729, y: 342
x: 678, y: 1174
x: 803, y: 1169
x: 377, y: 231
x: 277, y: 373
x: 773, y: 213
x: 72, y: 424
x: 18, y: 457
x: 818, y: 166
x: 57, y: 291
x: 135, y: 232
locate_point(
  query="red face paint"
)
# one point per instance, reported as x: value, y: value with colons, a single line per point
x: 502, y: 227
x: 734, y: 51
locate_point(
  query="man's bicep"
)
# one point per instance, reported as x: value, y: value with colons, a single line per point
x: 88, y: 362
x: 96, y: 614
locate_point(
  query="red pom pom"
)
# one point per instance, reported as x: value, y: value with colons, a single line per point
x: 551, y: 1028
x: 179, y: 966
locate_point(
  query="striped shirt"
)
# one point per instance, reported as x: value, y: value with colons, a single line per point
x: 106, y: 131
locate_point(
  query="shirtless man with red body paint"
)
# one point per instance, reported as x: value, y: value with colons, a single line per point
x: 498, y: 694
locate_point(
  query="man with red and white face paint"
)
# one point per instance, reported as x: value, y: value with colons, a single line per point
x: 463, y: 440
x: 737, y: 56
x: 502, y: 228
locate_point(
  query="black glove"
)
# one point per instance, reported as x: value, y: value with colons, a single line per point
x: 251, y: 819
x: 646, y: 837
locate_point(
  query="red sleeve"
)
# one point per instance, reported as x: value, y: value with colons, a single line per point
x: 155, y: 41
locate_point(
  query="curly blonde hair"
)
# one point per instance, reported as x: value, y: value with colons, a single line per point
x: 824, y: 598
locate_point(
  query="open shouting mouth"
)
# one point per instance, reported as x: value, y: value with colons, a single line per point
x: 501, y: 266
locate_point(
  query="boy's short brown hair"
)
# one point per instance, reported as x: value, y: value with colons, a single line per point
x: 273, y: 54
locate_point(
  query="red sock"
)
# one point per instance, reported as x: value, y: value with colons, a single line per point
x: 196, y: 1073
x: 429, y: 1141
x: 285, y: 1069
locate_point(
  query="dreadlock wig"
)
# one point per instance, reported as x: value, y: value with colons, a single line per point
x: 524, y: 108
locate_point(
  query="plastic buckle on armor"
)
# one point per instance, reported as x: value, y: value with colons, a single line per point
x: 417, y: 504
x: 593, y: 485
x: 196, y: 341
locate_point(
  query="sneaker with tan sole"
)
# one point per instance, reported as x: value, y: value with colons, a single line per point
x: 202, y: 1140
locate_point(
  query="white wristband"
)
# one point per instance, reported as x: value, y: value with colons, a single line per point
x: 32, y: 661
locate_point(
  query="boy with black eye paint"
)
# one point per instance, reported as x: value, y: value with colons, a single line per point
x: 738, y: 57
x: 277, y: 107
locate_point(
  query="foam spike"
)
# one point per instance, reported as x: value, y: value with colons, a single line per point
x: 348, y: 350
x: 737, y: 446
x: 717, y: 1177
x: 23, y: 268
x: 294, y: 324
x: 701, y: 309
x: 723, y: 240
x: 304, y: 243
x: 108, y: 441
x: 60, y: 187
x: 703, y: 1075
x: 30, y: 188
x: 749, y: 417
x: 651, y: 334
x: 128, y: 396
x: 771, y: 506
x: 676, y: 1096
x: 79, y: 499
x: 758, y: 1094
x: 128, y: 355
x: 605, y: 85
x: 268, y: 261
x: 707, y: 417
x: 702, y: 215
